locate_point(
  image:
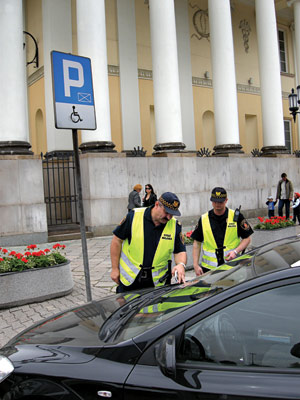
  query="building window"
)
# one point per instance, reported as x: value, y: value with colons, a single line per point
x: 287, y: 135
x: 282, y: 51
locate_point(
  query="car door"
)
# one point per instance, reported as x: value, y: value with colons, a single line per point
x: 249, y: 349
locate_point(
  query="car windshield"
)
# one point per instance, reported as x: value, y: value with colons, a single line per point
x: 162, y: 307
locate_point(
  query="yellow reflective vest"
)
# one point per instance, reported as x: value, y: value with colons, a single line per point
x: 132, y: 253
x: 231, y: 240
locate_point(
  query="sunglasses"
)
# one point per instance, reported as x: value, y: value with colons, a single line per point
x: 147, y: 188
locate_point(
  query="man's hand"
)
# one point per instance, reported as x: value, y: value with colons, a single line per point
x: 180, y: 273
x: 230, y: 256
x: 115, y: 275
x: 115, y: 252
x: 198, y: 270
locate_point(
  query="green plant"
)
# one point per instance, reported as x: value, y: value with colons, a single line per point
x: 273, y: 223
x: 187, y: 237
x: 11, y: 261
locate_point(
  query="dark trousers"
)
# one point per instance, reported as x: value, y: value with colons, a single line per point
x: 142, y: 281
x: 296, y: 214
x: 270, y: 213
x: 281, y: 203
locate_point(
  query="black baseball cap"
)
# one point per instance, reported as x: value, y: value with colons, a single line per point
x: 218, y: 195
x: 171, y: 203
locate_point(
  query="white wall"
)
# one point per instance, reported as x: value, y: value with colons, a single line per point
x: 248, y: 181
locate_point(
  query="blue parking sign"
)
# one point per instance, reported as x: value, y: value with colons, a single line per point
x: 73, y: 94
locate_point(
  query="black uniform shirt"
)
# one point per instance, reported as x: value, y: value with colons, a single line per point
x: 218, y: 225
x: 152, y: 235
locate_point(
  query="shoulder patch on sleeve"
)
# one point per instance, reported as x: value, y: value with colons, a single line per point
x: 182, y: 237
x: 122, y: 221
x: 245, y: 225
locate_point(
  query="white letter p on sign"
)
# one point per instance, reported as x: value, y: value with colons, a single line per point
x: 68, y: 82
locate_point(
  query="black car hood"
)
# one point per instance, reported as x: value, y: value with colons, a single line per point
x: 78, y: 327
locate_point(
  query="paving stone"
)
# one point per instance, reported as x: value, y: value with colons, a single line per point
x: 16, y: 319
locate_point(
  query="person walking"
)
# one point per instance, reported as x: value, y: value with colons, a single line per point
x: 296, y: 207
x: 134, y: 199
x: 271, y: 206
x: 224, y: 234
x: 150, y: 197
x: 143, y: 243
x: 284, y: 194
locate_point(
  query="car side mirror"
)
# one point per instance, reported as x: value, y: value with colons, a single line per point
x: 165, y: 355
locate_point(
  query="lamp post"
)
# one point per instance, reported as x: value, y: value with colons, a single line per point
x: 294, y: 101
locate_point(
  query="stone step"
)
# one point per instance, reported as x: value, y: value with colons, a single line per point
x: 67, y: 236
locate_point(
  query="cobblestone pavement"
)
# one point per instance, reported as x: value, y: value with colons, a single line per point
x: 15, y: 319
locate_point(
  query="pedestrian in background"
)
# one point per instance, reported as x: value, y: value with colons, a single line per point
x: 284, y: 194
x: 134, y: 199
x: 271, y: 206
x: 224, y: 233
x: 143, y: 243
x: 150, y: 197
x: 296, y: 207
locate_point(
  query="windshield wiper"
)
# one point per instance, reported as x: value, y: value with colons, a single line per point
x: 119, y: 318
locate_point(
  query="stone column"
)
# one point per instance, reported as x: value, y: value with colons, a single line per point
x: 129, y: 87
x: 57, y: 35
x: 224, y: 82
x: 270, y: 81
x: 91, y: 36
x: 167, y: 107
x: 296, y: 39
x: 185, y: 73
x: 14, y: 133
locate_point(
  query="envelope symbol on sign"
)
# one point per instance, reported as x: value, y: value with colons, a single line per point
x: 84, y: 97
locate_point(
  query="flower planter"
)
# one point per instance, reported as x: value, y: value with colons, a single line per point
x: 263, y: 236
x: 35, y: 285
x: 189, y: 253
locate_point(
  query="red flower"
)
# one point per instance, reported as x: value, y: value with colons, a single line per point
x: 19, y: 255
x: 32, y: 246
x: 12, y: 253
x: 24, y: 260
x: 46, y: 250
x: 4, y: 251
x: 63, y: 246
x: 27, y: 253
x: 55, y: 246
x: 261, y: 219
x: 35, y: 254
x: 1, y: 259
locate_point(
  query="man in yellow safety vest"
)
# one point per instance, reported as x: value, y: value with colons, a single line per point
x: 224, y: 233
x: 143, y: 244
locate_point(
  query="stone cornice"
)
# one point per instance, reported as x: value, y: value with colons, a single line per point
x: 248, y: 89
x: 35, y: 76
x: 114, y: 70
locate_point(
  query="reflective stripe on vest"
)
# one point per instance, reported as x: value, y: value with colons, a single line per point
x: 175, y: 300
x: 132, y: 254
x: 231, y: 240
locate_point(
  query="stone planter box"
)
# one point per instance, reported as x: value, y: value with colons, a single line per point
x: 261, y: 236
x: 35, y: 285
x: 189, y: 252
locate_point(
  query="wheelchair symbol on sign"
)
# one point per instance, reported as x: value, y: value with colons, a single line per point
x: 75, y: 117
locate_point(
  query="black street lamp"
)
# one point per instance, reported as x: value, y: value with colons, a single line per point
x: 294, y: 100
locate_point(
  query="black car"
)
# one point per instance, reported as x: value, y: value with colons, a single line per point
x: 233, y: 333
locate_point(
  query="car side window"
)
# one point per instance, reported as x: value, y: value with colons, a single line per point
x: 262, y: 330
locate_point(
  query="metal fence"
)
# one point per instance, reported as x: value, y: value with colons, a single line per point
x: 60, y: 188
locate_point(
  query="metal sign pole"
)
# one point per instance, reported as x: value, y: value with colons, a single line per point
x: 74, y: 108
x: 81, y: 218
